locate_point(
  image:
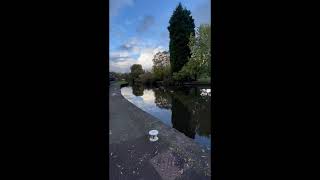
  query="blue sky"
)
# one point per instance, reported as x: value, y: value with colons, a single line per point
x: 138, y: 29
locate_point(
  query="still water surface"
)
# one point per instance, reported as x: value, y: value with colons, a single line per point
x: 186, y: 109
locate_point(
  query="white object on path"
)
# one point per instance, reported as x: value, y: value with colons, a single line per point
x: 153, y: 135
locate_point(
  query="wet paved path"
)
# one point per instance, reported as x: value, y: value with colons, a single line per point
x: 133, y: 156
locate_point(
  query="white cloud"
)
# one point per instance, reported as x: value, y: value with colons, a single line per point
x: 146, y: 56
x: 134, y: 51
x: 119, y: 54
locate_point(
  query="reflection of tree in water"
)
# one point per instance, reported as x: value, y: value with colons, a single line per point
x: 198, y: 109
x: 137, y: 90
x: 181, y: 119
x: 190, y: 110
x: 204, y: 117
x: 162, y: 98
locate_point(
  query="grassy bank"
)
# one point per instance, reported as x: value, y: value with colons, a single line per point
x: 122, y: 82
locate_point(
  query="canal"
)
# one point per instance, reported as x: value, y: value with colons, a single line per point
x: 187, y: 109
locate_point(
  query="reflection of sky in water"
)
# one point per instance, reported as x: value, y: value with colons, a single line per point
x: 147, y: 103
x: 203, y: 140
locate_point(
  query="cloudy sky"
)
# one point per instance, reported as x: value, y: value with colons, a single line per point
x: 138, y: 29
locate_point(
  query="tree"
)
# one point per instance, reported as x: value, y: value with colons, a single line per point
x: 146, y: 78
x: 161, y: 65
x: 126, y: 77
x: 181, y: 26
x: 199, y: 63
x: 200, y: 46
x: 136, y: 71
x: 161, y: 59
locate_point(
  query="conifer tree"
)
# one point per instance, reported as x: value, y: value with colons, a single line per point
x: 181, y: 26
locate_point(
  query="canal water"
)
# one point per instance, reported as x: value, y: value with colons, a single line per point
x: 187, y: 109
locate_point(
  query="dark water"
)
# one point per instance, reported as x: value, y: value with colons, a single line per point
x: 186, y: 109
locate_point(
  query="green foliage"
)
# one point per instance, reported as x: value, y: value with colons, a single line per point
x: 204, y: 79
x: 161, y: 66
x: 161, y: 73
x: 136, y: 71
x: 199, y: 64
x: 182, y: 75
x: 126, y: 77
x: 181, y: 26
x: 147, y: 78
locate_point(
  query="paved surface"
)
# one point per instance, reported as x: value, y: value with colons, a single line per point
x: 133, y: 156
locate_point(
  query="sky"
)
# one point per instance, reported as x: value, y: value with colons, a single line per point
x: 138, y: 29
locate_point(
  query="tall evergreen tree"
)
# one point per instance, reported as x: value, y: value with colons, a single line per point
x: 181, y: 26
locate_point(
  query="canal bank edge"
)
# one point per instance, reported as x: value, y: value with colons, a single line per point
x: 176, y: 146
